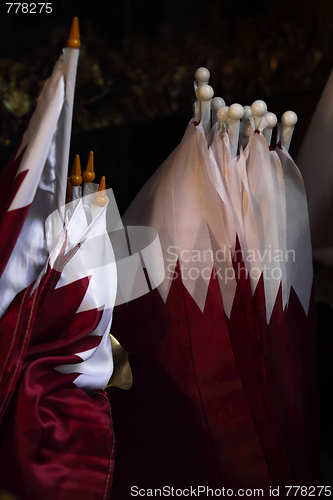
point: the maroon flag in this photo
(214, 352)
(56, 431)
(29, 194)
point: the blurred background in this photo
(134, 91)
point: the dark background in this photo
(134, 89)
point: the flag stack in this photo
(223, 352)
(56, 431)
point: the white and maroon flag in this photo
(56, 312)
(32, 187)
(33, 183)
(217, 351)
(59, 421)
(195, 348)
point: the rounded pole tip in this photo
(76, 177)
(89, 174)
(101, 199)
(217, 103)
(289, 119)
(205, 93)
(236, 112)
(271, 119)
(202, 75)
(259, 108)
(73, 41)
(247, 113)
(222, 114)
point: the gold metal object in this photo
(122, 373)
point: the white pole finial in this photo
(271, 119)
(222, 115)
(259, 109)
(202, 76)
(205, 93)
(289, 120)
(247, 113)
(216, 104)
(235, 114)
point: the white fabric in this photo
(181, 203)
(248, 230)
(219, 176)
(299, 271)
(47, 142)
(206, 111)
(268, 134)
(97, 364)
(46, 162)
(89, 188)
(280, 205)
(203, 196)
(233, 133)
(38, 139)
(263, 202)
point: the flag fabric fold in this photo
(60, 419)
(56, 422)
(315, 163)
(218, 354)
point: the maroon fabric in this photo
(10, 222)
(284, 393)
(225, 375)
(214, 399)
(302, 351)
(10, 229)
(10, 181)
(15, 332)
(56, 440)
(249, 351)
(164, 436)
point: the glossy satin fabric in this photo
(217, 401)
(56, 441)
(224, 390)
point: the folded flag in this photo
(56, 312)
(217, 351)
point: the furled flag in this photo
(222, 372)
(315, 161)
(56, 430)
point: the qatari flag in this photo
(216, 352)
(33, 183)
(57, 305)
(56, 432)
(32, 187)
